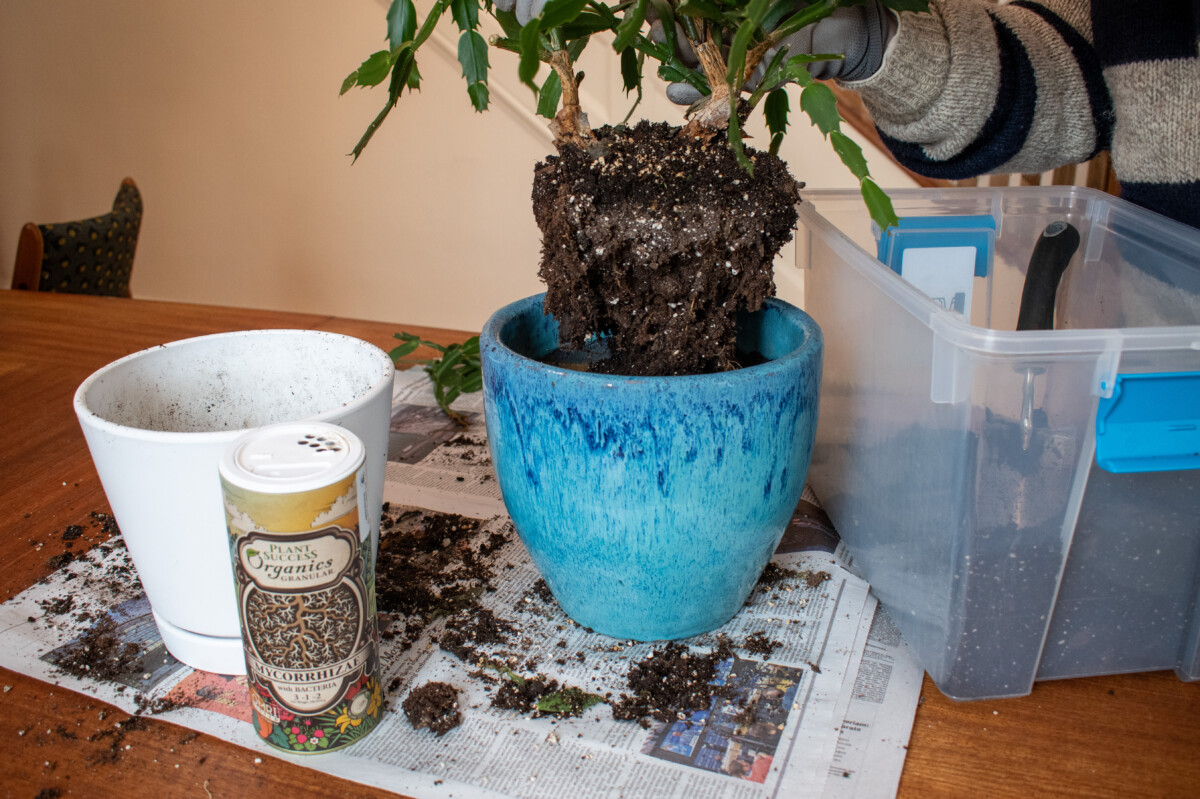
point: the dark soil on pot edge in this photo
(658, 241)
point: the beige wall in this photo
(227, 114)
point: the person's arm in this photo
(974, 87)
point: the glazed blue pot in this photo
(650, 505)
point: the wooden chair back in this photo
(89, 256)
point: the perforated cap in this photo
(292, 457)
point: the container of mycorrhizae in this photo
(303, 569)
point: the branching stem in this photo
(569, 123)
(711, 113)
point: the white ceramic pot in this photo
(156, 423)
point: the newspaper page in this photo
(811, 692)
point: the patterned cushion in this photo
(93, 256)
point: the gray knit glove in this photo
(524, 9)
(862, 32)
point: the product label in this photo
(303, 614)
(307, 606)
(282, 563)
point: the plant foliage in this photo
(734, 37)
(455, 371)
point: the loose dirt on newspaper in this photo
(436, 567)
(672, 681)
(99, 653)
(430, 566)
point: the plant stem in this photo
(711, 113)
(570, 124)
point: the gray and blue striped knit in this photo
(973, 88)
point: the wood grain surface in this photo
(1120, 736)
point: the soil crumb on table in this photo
(433, 706)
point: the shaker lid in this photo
(292, 457)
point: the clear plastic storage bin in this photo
(958, 457)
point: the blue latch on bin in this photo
(1151, 423)
(941, 255)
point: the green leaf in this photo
(402, 22)
(452, 356)
(603, 10)
(403, 350)
(583, 25)
(456, 372)
(778, 11)
(818, 101)
(772, 77)
(576, 48)
(736, 60)
(631, 25)
(850, 153)
(672, 74)
(406, 66)
(430, 23)
(703, 9)
(549, 96)
(473, 56)
(373, 71)
(739, 148)
(879, 204)
(508, 23)
(631, 70)
(504, 671)
(666, 16)
(776, 112)
(632, 63)
(807, 16)
(480, 96)
(795, 71)
(693, 77)
(559, 12)
(567, 702)
(530, 41)
(472, 383)
(466, 14)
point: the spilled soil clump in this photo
(671, 681)
(429, 566)
(433, 705)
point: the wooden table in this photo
(1130, 735)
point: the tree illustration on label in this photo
(302, 609)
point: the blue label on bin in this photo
(1151, 423)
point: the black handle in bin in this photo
(1051, 255)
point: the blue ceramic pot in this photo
(650, 505)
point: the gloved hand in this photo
(524, 9)
(861, 32)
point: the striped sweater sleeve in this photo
(972, 88)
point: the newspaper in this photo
(827, 712)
